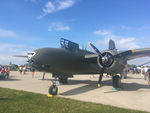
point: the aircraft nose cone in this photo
(30, 55)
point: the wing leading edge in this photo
(139, 53)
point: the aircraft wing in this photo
(129, 54)
(139, 53)
(91, 56)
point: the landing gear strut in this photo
(100, 80)
(53, 89)
(43, 75)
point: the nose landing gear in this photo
(53, 89)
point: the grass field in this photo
(13, 101)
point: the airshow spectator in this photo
(20, 70)
(148, 73)
(8, 71)
(24, 70)
(145, 72)
(33, 71)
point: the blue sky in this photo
(29, 24)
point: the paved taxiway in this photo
(134, 95)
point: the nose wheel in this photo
(53, 89)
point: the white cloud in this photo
(65, 4)
(58, 26)
(127, 43)
(102, 32)
(56, 5)
(7, 33)
(122, 43)
(49, 8)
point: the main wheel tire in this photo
(116, 81)
(53, 90)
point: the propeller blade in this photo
(111, 45)
(23, 56)
(95, 49)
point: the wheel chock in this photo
(58, 84)
(116, 89)
(49, 95)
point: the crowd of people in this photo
(4, 72)
(145, 70)
(23, 69)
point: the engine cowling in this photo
(106, 60)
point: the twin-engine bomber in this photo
(70, 60)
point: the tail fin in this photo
(111, 45)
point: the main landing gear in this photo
(116, 81)
(100, 80)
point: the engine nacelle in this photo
(107, 60)
(111, 64)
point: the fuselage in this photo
(62, 61)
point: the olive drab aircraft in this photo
(70, 60)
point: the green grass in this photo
(13, 101)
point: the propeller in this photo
(101, 60)
(105, 59)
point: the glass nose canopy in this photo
(30, 55)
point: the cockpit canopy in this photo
(69, 45)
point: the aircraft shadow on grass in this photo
(3, 98)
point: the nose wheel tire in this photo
(53, 90)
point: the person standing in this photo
(145, 72)
(8, 71)
(148, 73)
(32, 70)
(20, 70)
(24, 70)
